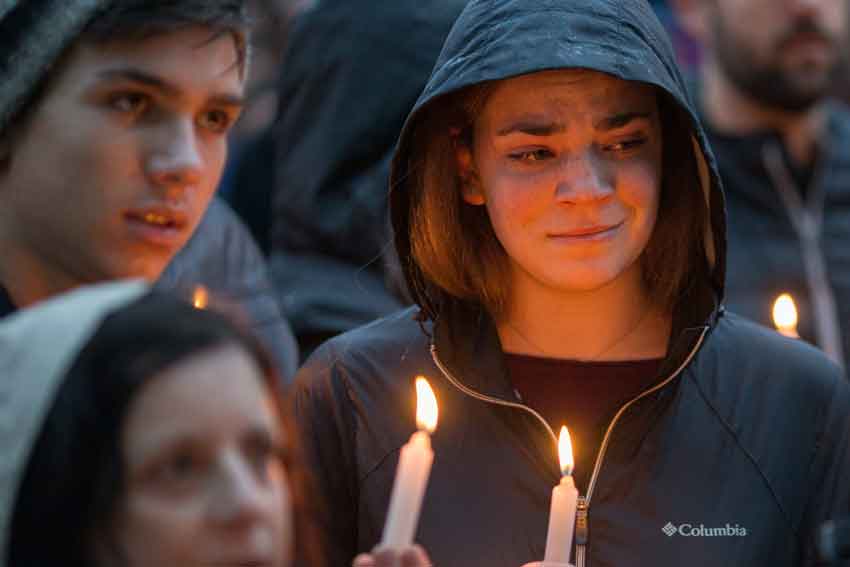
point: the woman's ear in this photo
(470, 184)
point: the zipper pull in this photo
(581, 521)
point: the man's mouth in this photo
(160, 218)
(162, 226)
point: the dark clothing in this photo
(352, 71)
(223, 257)
(739, 450)
(585, 395)
(6, 305)
(753, 433)
(787, 237)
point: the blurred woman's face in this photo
(205, 481)
(568, 164)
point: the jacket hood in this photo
(37, 347)
(499, 39)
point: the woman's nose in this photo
(582, 179)
(241, 495)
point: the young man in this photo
(113, 134)
(784, 155)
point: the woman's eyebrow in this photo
(533, 126)
(620, 120)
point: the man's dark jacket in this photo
(352, 72)
(768, 254)
(734, 457)
(223, 257)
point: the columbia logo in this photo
(669, 529)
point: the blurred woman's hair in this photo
(457, 252)
(75, 476)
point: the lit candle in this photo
(562, 513)
(411, 478)
(201, 297)
(785, 316)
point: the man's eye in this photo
(531, 155)
(216, 121)
(134, 103)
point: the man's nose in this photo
(241, 495)
(176, 161)
(582, 179)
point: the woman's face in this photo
(205, 480)
(568, 164)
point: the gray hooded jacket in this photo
(37, 347)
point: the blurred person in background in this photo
(783, 149)
(113, 134)
(111, 458)
(351, 73)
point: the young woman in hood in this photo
(561, 227)
(139, 431)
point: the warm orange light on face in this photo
(565, 451)
(201, 297)
(426, 406)
(785, 315)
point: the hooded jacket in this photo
(222, 254)
(351, 74)
(37, 347)
(733, 457)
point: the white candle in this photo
(411, 479)
(562, 513)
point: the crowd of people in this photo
(526, 201)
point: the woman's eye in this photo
(217, 121)
(133, 103)
(180, 467)
(626, 145)
(531, 155)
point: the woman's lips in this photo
(589, 233)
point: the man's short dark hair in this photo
(137, 20)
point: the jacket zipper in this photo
(807, 221)
(582, 528)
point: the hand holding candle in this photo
(562, 514)
(414, 467)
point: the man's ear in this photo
(695, 16)
(470, 184)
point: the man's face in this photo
(117, 164)
(782, 53)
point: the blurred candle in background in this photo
(200, 297)
(785, 316)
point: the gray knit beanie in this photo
(33, 34)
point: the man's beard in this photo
(767, 82)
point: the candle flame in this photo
(785, 315)
(201, 297)
(565, 451)
(426, 406)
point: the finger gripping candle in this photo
(411, 479)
